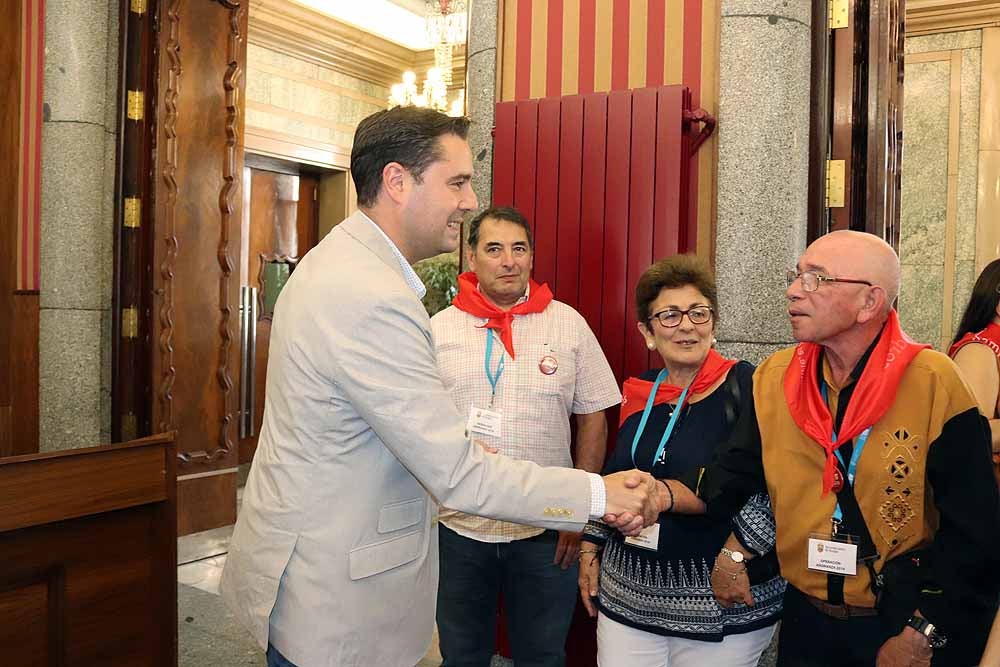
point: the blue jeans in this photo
(539, 598)
(275, 659)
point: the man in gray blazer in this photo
(333, 561)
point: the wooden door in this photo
(280, 224)
(197, 169)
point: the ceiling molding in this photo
(304, 33)
(925, 17)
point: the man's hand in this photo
(567, 550)
(907, 649)
(730, 583)
(590, 572)
(632, 501)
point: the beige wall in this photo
(305, 100)
(941, 154)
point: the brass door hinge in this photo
(133, 212)
(130, 322)
(839, 11)
(136, 104)
(138, 7)
(835, 183)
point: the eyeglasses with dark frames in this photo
(671, 318)
(811, 280)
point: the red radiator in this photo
(604, 179)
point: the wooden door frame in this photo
(856, 102)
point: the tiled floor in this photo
(208, 635)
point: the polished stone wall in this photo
(306, 100)
(480, 94)
(77, 213)
(939, 68)
(763, 169)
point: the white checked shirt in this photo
(535, 407)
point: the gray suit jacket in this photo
(334, 555)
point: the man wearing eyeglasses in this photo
(877, 462)
(519, 364)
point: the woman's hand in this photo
(590, 573)
(730, 583)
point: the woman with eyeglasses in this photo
(976, 351)
(690, 590)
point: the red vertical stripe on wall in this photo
(553, 49)
(526, 159)
(24, 224)
(616, 215)
(503, 154)
(692, 79)
(547, 196)
(588, 21)
(595, 137)
(656, 16)
(642, 166)
(568, 267)
(36, 164)
(619, 45)
(692, 49)
(522, 60)
(669, 166)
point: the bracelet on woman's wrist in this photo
(670, 492)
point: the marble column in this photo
(480, 93)
(78, 159)
(763, 169)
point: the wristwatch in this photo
(735, 556)
(927, 629)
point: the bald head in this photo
(861, 256)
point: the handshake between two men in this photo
(635, 499)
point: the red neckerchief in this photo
(635, 392)
(990, 337)
(474, 302)
(874, 393)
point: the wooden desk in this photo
(88, 556)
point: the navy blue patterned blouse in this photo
(669, 591)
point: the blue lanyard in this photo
(852, 467)
(645, 416)
(492, 376)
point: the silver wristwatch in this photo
(927, 629)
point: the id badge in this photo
(833, 556)
(649, 538)
(484, 422)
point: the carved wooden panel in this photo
(198, 169)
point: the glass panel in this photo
(275, 276)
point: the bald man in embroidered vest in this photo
(877, 462)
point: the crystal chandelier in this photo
(446, 27)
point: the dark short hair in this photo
(504, 213)
(407, 135)
(671, 273)
(982, 307)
